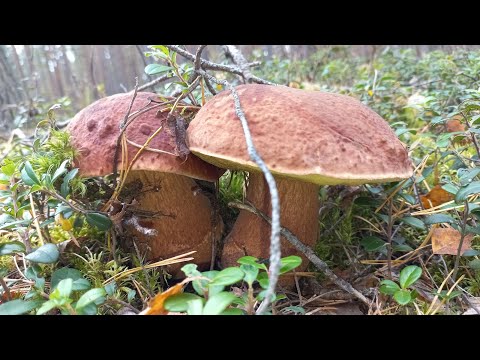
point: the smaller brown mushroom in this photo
(180, 216)
(307, 139)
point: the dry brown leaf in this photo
(446, 241)
(155, 306)
(454, 124)
(435, 197)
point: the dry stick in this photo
(308, 252)
(219, 67)
(275, 251)
(462, 238)
(5, 287)
(154, 82)
(239, 60)
(122, 126)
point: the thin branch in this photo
(210, 87)
(463, 226)
(122, 126)
(308, 252)
(240, 61)
(154, 82)
(218, 67)
(5, 287)
(275, 251)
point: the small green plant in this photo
(210, 297)
(400, 292)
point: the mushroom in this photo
(307, 139)
(183, 215)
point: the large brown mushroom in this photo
(181, 216)
(307, 139)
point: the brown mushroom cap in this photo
(313, 136)
(95, 129)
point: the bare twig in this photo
(308, 252)
(118, 301)
(275, 251)
(239, 60)
(154, 82)
(463, 226)
(5, 287)
(119, 139)
(219, 67)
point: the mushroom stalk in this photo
(250, 235)
(176, 218)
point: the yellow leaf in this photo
(219, 87)
(447, 240)
(436, 196)
(155, 306)
(370, 92)
(66, 224)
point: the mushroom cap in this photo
(95, 129)
(317, 137)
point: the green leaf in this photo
(452, 189)
(372, 243)
(402, 297)
(464, 192)
(153, 69)
(9, 168)
(98, 220)
(438, 218)
(11, 247)
(110, 288)
(402, 248)
(251, 273)
(263, 280)
(409, 275)
(91, 296)
(413, 221)
(90, 309)
(232, 311)
(228, 276)
(64, 188)
(250, 260)
(467, 175)
(218, 303)
(79, 282)
(60, 171)
(389, 287)
(289, 263)
(190, 270)
(471, 252)
(179, 302)
(474, 264)
(46, 307)
(33, 273)
(131, 294)
(28, 175)
(18, 307)
(200, 285)
(46, 254)
(64, 289)
(195, 307)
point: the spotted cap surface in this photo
(317, 137)
(95, 129)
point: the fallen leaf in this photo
(155, 306)
(446, 240)
(435, 197)
(454, 124)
